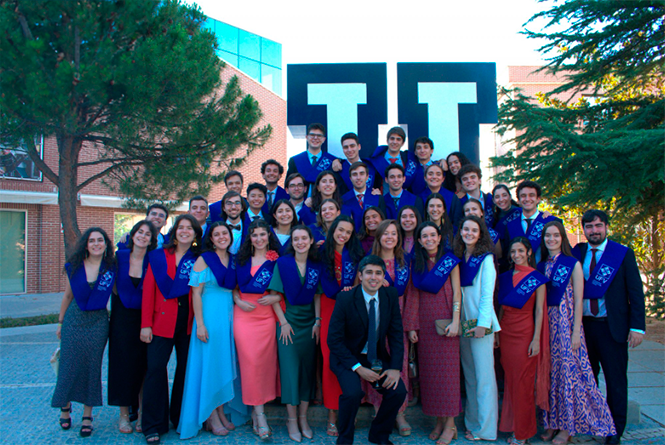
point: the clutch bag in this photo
(467, 325)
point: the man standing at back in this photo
(384, 155)
(613, 310)
(313, 160)
(351, 147)
(364, 320)
(272, 171)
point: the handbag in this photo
(413, 366)
(467, 325)
(55, 360)
(442, 324)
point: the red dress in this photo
(438, 356)
(331, 388)
(518, 413)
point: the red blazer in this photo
(157, 312)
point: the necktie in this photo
(528, 226)
(254, 218)
(393, 160)
(314, 159)
(271, 198)
(371, 336)
(396, 201)
(360, 199)
(593, 303)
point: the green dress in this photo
(297, 360)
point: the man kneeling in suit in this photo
(364, 318)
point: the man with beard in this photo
(272, 171)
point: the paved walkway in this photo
(27, 383)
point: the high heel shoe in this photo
(443, 441)
(404, 428)
(123, 425)
(306, 432)
(264, 432)
(86, 430)
(66, 424)
(296, 437)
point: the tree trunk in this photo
(67, 190)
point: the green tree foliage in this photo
(131, 91)
(606, 149)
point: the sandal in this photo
(263, 432)
(513, 440)
(331, 430)
(404, 429)
(153, 439)
(441, 440)
(221, 431)
(139, 427)
(123, 425)
(66, 424)
(86, 430)
(436, 432)
(470, 435)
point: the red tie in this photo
(360, 199)
(393, 160)
(593, 303)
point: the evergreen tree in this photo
(605, 150)
(131, 91)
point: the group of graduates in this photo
(397, 268)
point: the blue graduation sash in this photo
(258, 283)
(413, 171)
(169, 287)
(494, 235)
(559, 278)
(407, 199)
(513, 213)
(297, 292)
(448, 197)
(319, 234)
(130, 295)
(433, 280)
(226, 276)
(401, 275)
(283, 247)
(306, 216)
(309, 171)
(535, 234)
(371, 174)
(469, 269)
(517, 296)
(488, 207)
(349, 272)
(352, 207)
(95, 298)
(606, 269)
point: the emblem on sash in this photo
(263, 278)
(410, 168)
(561, 274)
(106, 280)
(324, 164)
(444, 267)
(474, 260)
(185, 269)
(312, 277)
(348, 271)
(402, 274)
(529, 286)
(604, 274)
(512, 216)
(537, 228)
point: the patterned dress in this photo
(576, 403)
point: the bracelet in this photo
(456, 306)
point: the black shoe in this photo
(613, 440)
(387, 442)
(66, 424)
(86, 430)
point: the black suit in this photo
(347, 337)
(607, 338)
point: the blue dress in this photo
(212, 378)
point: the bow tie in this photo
(235, 227)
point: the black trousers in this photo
(613, 357)
(156, 410)
(349, 402)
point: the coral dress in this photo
(576, 403)
(438, 356)
(256, 344)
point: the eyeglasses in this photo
(232, 203)
(316, 135)
(296, 186)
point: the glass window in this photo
(271, 78)
(15, 162)
(12, 252)
(227, 37)
(228, 57)
(271, 53)
(249, 45)
(250, 67)
(210, 24)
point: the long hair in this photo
(137, 226)
(316, 194)
(208, 245)
(523, 240)
(483, 245)
(364, 233)
(198, 232)
(352, 245)
(398, 251)
(312, 253)
(273, 210)
(449, 179)
(420, 254)
(319, 218)
(446, 224)
(81, 250)
(565, 243)
(246, 250)
(497, 211)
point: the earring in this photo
(194, 244)
(175, 241)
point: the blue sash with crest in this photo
(296, 291)
(309, 171)
(469, 269)
(349, 271)
(130, 295)
(401, 275)
(433, 280)
(517, 296)
(606, 269)
(169, 287)
(90, 299)
(306, 216)
(535, 234)
(258, 283)
(226, 276)
(559, 278)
